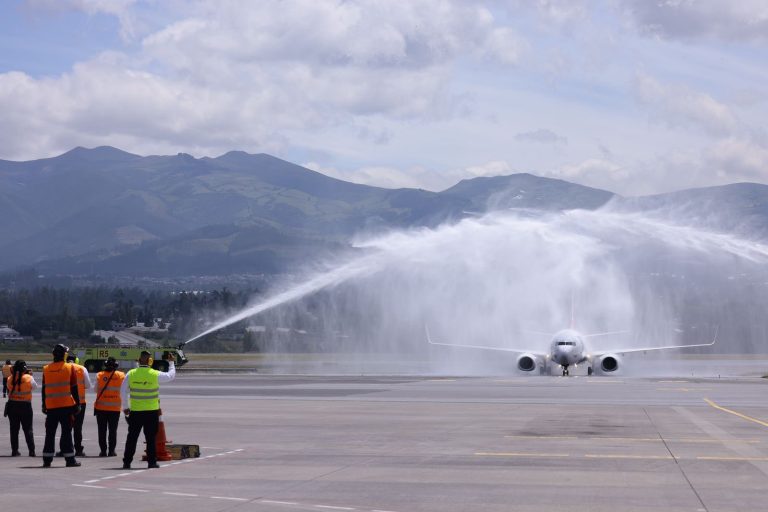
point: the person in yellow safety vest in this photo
(107, 406)
(7, 370)
(61, 403)
(20, 386)
(83, 383)
(140, 392)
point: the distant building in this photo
(9, 335)
(123, 338)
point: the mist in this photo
(509, 279)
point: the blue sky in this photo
(636, 96)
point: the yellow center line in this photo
(636, 439)
(743, 416)
(609, 456)
(520, 454)
(738, 459)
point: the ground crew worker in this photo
(140, 391)
(107, 406)
(7, 371)
(20, 386)
(61, 401)
(83, 383)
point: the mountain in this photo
(105, 211)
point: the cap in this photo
(60, 350)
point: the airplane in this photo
(568, 348)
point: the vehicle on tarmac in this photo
(93, 357)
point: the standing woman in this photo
(20, 386)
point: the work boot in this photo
(15, 454)
(111, 454)
(80, 453)
(32, 453)
(47, 462)
(102, 454)
(152, 465)
(126, 465)
(72, 463)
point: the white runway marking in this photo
(89, 486)
(279, 502)
(330, 507)
(130, 489)
(227, 498)
(189, 495)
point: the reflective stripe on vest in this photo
(144, 387)
(80, 371)
(23, 390)
(56, 379)
(109, 396)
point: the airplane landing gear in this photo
(590, 371)
(565, 371)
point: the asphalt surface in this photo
(399, 444)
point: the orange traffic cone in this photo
(160, 441)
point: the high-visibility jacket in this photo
(7, 370)
(58, 378)
(80, 372)
(108, 391)
(22, 392)
(144, 389)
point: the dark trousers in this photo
(107, 420)
(138, 420)
(5, 386)
(55, 417)
(20, 415)
(77, 431)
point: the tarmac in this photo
(427, 443)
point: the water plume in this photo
(499, 279)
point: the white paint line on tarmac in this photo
(187, 494)
(330, 507)
(130, 489)
(89, 486)
(227, 498)
(274, 502)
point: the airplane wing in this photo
(484, 347)
(649, 349)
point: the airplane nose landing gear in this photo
(565, 371)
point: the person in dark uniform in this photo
(140, 395)
(61, 403)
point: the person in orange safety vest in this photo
(107, 406)
(20, 386)
(61, 403)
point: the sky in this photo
(632, 96)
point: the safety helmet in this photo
(60, 350)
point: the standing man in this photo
(7, 370)
(60, 404)
(140, 392)
(107, 405)
(83, 383)
(20, 386)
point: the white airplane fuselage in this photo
(567, 348)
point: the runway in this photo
(400, 444)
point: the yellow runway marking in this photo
(637, 439)
(738, 459)
(639, 457)
(542, 437)
(743, 416)
(514, 454)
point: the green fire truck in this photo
(93, 357)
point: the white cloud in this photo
(543, 136)
(680, 105)
(741, 20)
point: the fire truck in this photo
(93, 357)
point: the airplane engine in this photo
(527, 363)
(609, 363)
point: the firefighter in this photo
(140, 395)
(107, 406)
(20, 386)
(7, 370)
(83, 383)
(61, 401)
